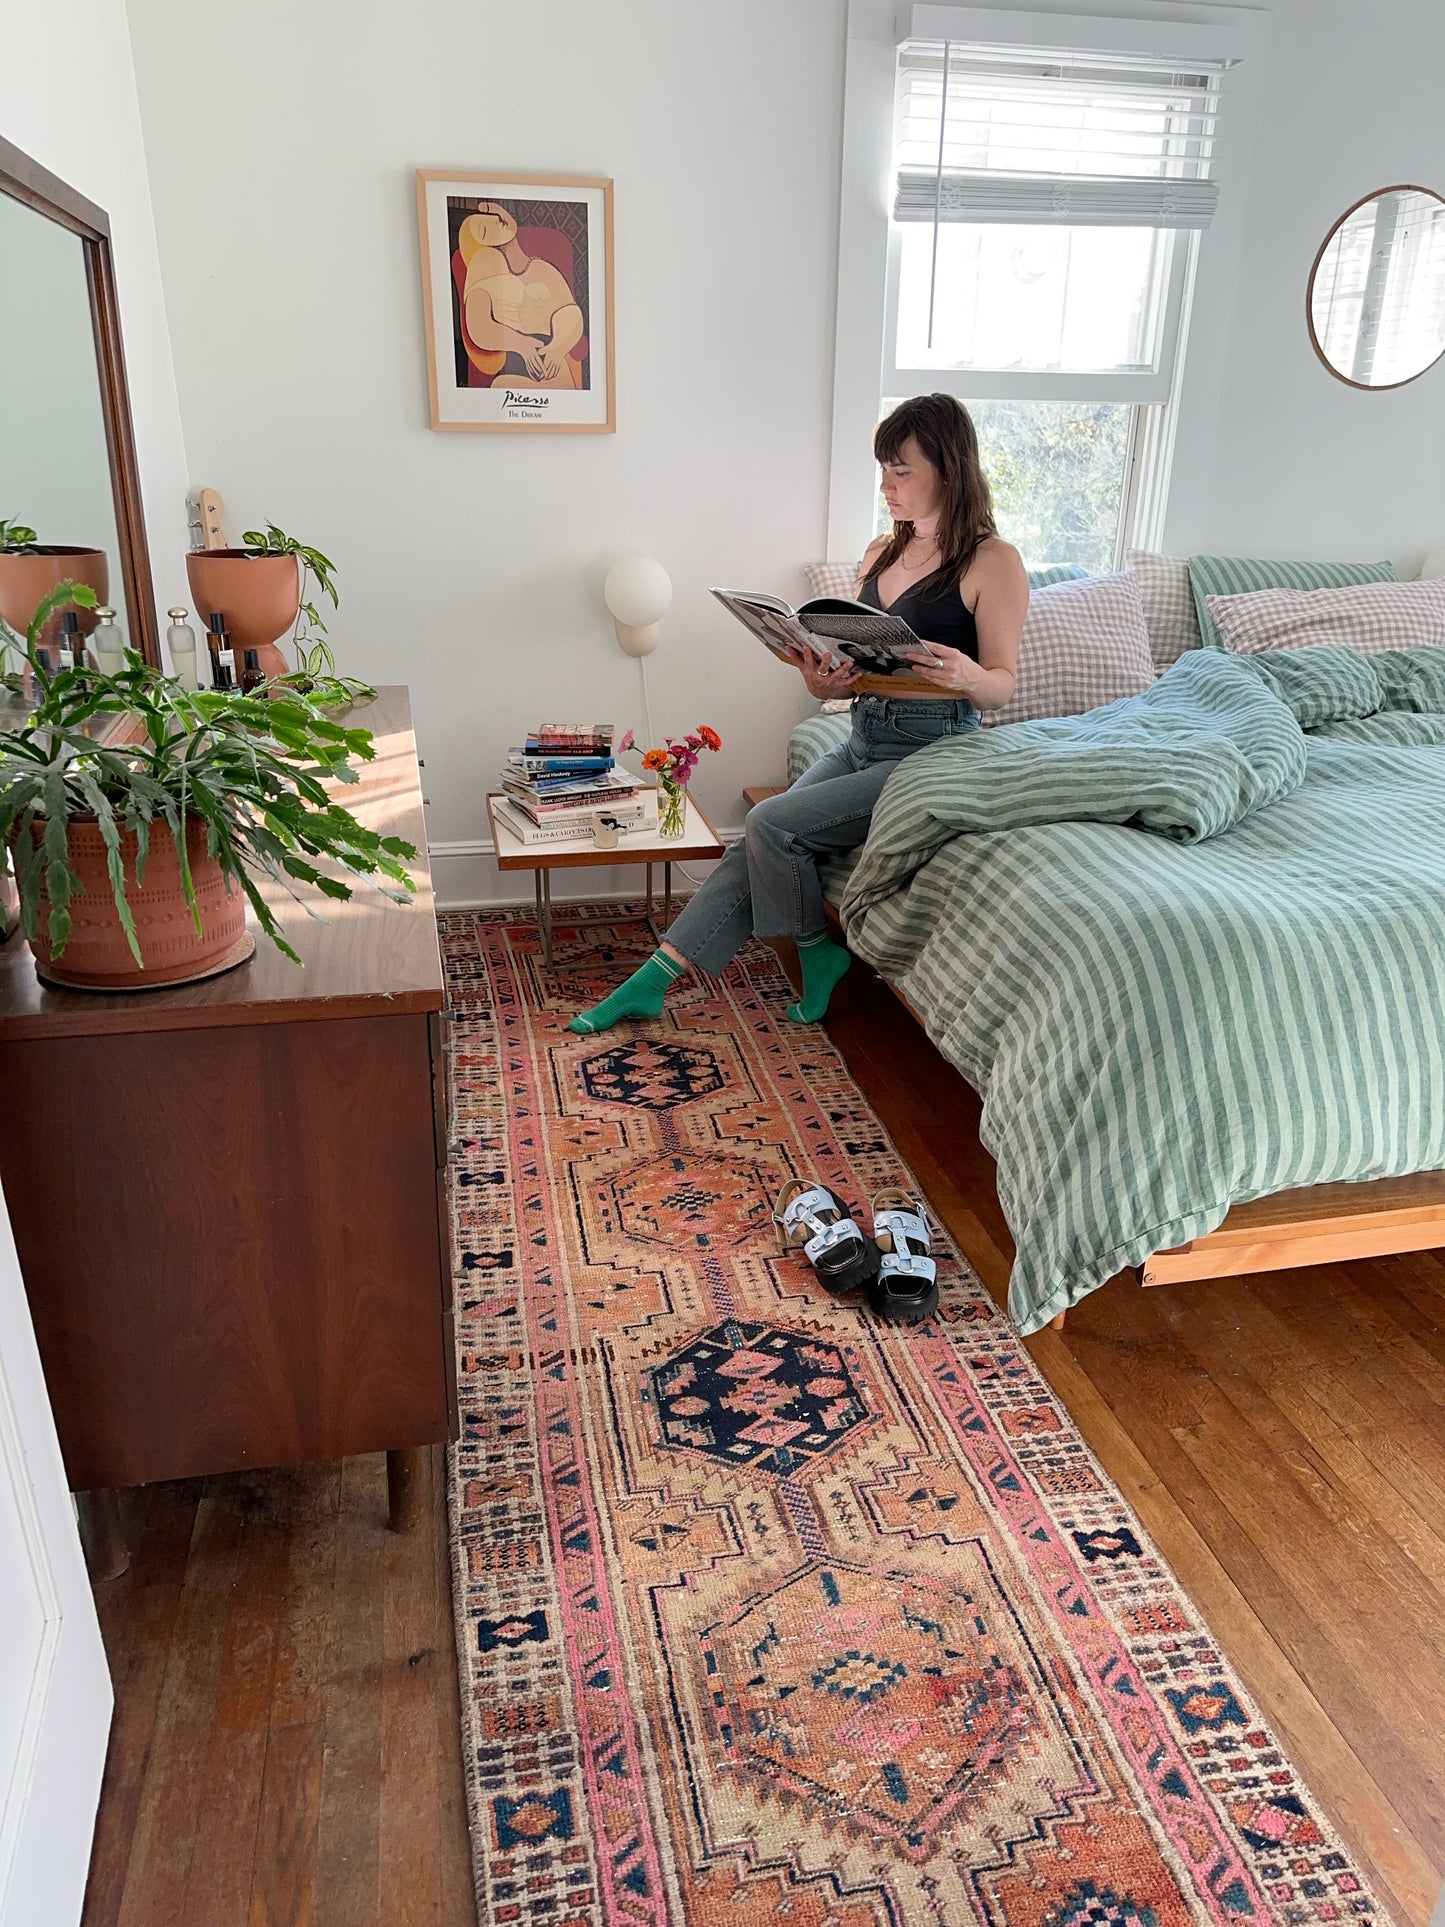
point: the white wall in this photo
(470, 566)
(1296, 462)
(68, 99)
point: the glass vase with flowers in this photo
(673, 767)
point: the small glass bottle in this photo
(181, 639)
(252, 675)
(223, 654)
(72, 644)
(108, 644)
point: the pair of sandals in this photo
(894, 1264)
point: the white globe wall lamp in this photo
(638, 592)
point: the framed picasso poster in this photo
(517, 285)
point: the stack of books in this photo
(562, 778)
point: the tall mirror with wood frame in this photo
(70, 502)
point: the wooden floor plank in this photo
(284, 1868)
(348, 1862)
(412, 1678)
(458, 1893)
(137, 1618)
(165, 1829)
(219, 1888)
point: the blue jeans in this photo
(767, 884)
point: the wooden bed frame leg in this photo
(406, 1481)
(1057, 1324)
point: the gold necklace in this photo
(903, 563)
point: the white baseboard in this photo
(466, 877)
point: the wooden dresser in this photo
(229, 1198)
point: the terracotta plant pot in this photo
(259, 595)
(98, 957)
(26, 580)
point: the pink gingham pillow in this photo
(1084, 644)
(1371, 617)
(832, 578)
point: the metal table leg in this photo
(544, 912)
(659, 931)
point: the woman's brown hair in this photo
(948, 441)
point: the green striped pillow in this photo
(1052, 572)
(1238, 575)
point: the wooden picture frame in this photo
(27, 181)
(517, 290)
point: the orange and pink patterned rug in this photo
(766, 1610)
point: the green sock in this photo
(640, 996)
(823, 963)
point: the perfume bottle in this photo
(107, 643)
(181, 639)
(252, 674)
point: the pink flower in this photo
(629, 741)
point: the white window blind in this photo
(1074, 138)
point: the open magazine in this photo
(828, 628)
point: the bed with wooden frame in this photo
(1315, 1225)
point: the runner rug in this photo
(766, 1610)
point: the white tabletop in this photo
(644, 845)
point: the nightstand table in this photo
(698, 839)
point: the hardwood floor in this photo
(1281, 1436)
(286, 1746)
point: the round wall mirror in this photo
(1376, 297)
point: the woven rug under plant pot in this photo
(97, 956)
(26, 578)
(767, 1610)
(259, 596)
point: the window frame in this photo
(868, 261)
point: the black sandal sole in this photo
(904, 1308)
(862, 1270)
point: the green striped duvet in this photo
(1189, 953)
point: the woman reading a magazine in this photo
(964, 593)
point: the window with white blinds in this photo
(1045, 203)
(1041, 198)
(1024, 135)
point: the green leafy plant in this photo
(313, 651)
(252, 769)
(16, 538)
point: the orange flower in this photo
(655, 759)
(709, 736)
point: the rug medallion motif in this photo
(768, 1611)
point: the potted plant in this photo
(30, 570)
(140, 814)
(261, 590)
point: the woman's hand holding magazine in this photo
(826, 631)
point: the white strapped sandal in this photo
(907, 1283)
(811, 1216)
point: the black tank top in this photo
(936, 618)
